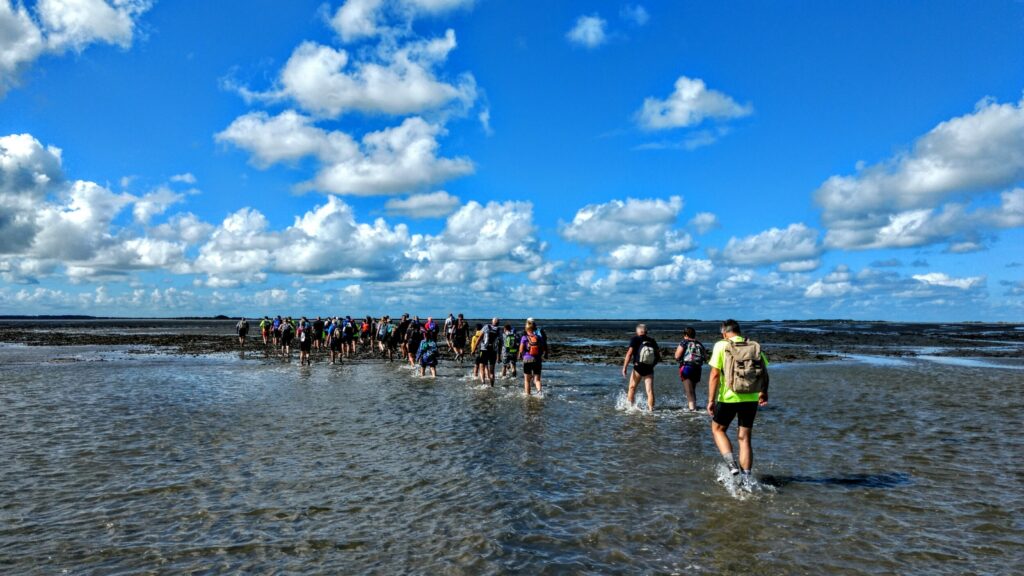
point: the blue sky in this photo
(555, 159)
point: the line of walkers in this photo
(413, 341)
(737, 385)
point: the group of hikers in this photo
(413, 341)
(737, 385)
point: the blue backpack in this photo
(428, 353)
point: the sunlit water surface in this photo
(124, 463)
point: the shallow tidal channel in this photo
(122, 463)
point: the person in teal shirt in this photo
(725, 404)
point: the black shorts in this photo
(489, 357)
(643, 370)
(335, 345)
(532, 368)
(745, 411)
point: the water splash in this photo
(639, 407)
(538, 395)
(739, 486)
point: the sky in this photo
(523, 158)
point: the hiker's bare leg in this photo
(718, 432)
(649, 388)
(634, 379)
(691, 398)
(746, 451)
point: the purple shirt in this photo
(525, 342)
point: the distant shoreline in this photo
(585, 341)
(546, 319)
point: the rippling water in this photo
(125, 463)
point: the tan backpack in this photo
(745, 371)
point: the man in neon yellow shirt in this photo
(724, 404)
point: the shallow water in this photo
(127, 463)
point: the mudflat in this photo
(574, 341)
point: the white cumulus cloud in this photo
(402, 158)
(634, 14)
(76, 230)
(903, 201)
(58, 26)
(393, 160)
(155, 203)
(589, 31)
(326, 241)
(941, 279)
(47, 223)
(21, 43)
(795, 244)
(75, 24)
(432, 205)
(691, 103)
(27, 167)
(396, 80)
(704, 222)
(287, 137)
(622, 222)
(634, 233)
(808, 265)
(359, 19)
(183, 226)
(478, 241)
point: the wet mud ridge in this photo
(580, 342)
